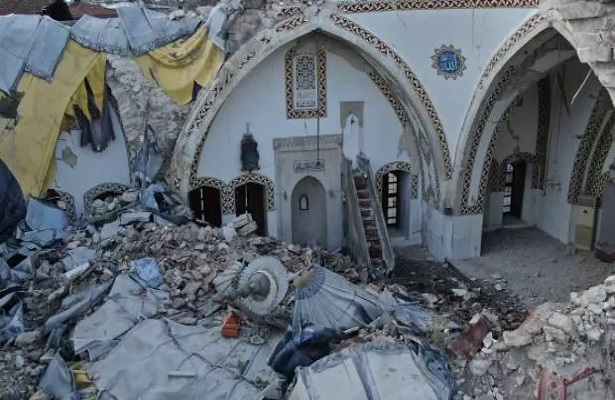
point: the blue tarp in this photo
(35, 43)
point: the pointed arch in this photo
(251, 177)
(587, 176)
(93, 193)
(397, 166)
(515, 158)
(494, 99)
(409, 90)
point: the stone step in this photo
(365, 204)
(360, 182)
(375, 252)
(372, 236)
(363, 194)
(369, 225)
(366, 212)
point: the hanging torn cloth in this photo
(177, 66)
(90, 107)
(28, 149)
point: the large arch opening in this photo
(526, 167)
(388, 70)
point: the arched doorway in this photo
(514, 187)
(309, 213)
(394, 185)
(395, 200)
(251, 197)
(206, 204)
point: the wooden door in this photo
(206, 205)
(518, 187)
(251, 198)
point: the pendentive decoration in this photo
(249, 152)
(449, 62)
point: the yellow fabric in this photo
(29, 149)
(176, 66)
(96, 79)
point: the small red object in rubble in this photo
(230, 327)
(471, 340)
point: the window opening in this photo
(304, 203)
(392, 199)
(508, 184)
(306, 77)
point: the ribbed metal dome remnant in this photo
(327, 300)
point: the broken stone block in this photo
(552, 333)
(78, 257)
(594, 334)
(130, 196)
(609, 284)
(248, 229)
(27, 338)
(110, 230)
(480, 366)
(564, 323)
(538, 317)
(517, 338)
(242, 220)
(130, 218)
(596, 294)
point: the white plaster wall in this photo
(260, 101)
(415, 34)
(451, 237)
(519, 134)
(92, 168)
(555, 217)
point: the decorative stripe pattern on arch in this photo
(398, 5)
(515, 38)
(539, 171)
(69, 201)
(354, 28)
(592, 130)
(594, 184)
(533, 26)
(216, 184)
(495, 183)
(477, 207)
(398, 166)
(251, 177)
(91, 194)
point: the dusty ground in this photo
(416, 270)
(534, 266)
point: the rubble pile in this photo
(46, 290)
(153, 279)
(112, 202)
(561, 351)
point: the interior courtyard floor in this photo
(533, 266)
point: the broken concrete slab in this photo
(376, 371)
(77, 257)
(127, 302)
(130, 218)
(161, 359)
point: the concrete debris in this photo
(154, 280)
(556, 346)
